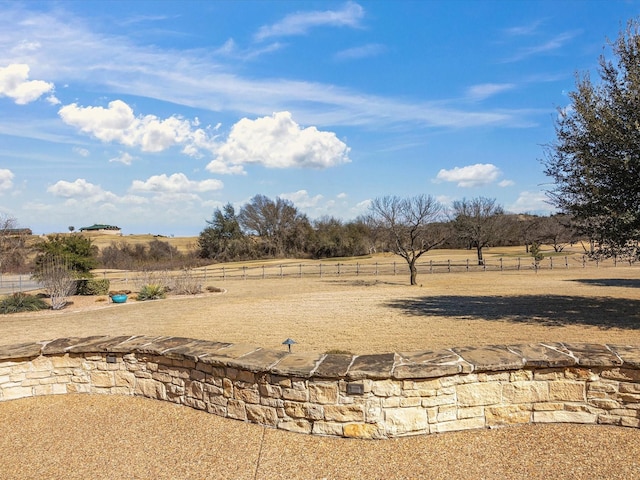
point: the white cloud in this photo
(301, 199)
(81, 189)
(486, 90)
(219, 167)
(471, 175)
(83, 152)
(176, 183)
(506, 183)
(279, 142)
(14, 84)
(531, 202)
(117, 123)
(124, 158)
(6, 179)
(361, 208)
(364, 51)
(300, 23)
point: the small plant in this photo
(338, 351)
(22, 302)
(536, 254)
(152, 291)
(186, 283)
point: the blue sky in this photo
(149, 115)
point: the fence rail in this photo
(330, 269)
(17, 283)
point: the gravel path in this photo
(101, 437)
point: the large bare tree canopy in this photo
(595, 160)
(479, 222)
(411, 226)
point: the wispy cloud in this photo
(364, 51)
(524, 30)
(551, 45)
(300, 23)
(486, 90)
(59, 45)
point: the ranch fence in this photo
(326, 269)
(17, 283)
(334, 269)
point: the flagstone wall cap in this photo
(405, 365)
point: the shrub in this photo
(22, 302)
(186, 283)
(92, 286)
(338, 351)
(151, 291)
(57, 277)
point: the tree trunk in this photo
(414, 272)
(480, 259)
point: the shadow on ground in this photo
(548, 310)
(611, 282)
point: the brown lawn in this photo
(371, 314)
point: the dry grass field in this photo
(371, 313)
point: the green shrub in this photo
(92, 286)
(151, 291)
(22, 302)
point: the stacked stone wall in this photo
(370, 396)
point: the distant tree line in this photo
(267, 228)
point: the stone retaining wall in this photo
(362, 396)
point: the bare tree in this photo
(479, 222)
(12, 243)
(57, 277)
(557, 231)
(410, 226)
